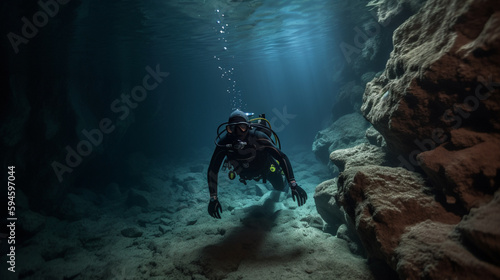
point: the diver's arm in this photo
(213, 170)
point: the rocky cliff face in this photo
(438, 98)
(437, 106)
(365, 44)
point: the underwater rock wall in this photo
(436, 103)
(437, 106)
(366, 42)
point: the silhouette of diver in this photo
(250, 153)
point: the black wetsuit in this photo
(253, 161)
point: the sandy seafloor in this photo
(162, 231)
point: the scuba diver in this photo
(248, 151)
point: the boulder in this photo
(347, 131)
(481, 229)
(466, 169)
(335, 217)
(430, 250)
(360, 155)
(400, 222)
(382, 202)
(348, 233)
(374, 137)
(326, 205)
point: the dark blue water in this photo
(279, 55)
(272, 57)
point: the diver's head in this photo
(238, 116)
(238, 124)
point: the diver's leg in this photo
(276, 179)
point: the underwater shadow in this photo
(243, 242)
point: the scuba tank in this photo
(263, 121)
(262, 124)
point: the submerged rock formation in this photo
(347, 131)
(399, 222)
(384, 201)
(365, 48)
(439, 95)
(363, 154)
(437, 107)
